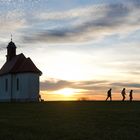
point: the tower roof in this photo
(11, 44)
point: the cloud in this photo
(17, 1)
(2, 47)
(88, 23)
(52, 85)
(88, 87)
(129, 85)
(137, 73)
(73, 13)
(12, 21)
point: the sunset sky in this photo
(83, 47)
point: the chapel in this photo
(19, 78)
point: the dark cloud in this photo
(51, 85)
(88, 87)
(129, 85)
(116, 16)
(135, 3)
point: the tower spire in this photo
(11, 38)
(11, 50)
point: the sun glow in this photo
(66, 92)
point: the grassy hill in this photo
(70, 121)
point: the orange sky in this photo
(77, 96)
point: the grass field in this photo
(70, 121)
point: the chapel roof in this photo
(19, 64)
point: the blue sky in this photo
(85, 45)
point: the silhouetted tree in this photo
(83, 99)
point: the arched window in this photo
(17, 84)
(6, 85)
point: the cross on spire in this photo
(11, 37)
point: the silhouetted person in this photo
(109, 95)
(123, 94)
(131, 95)
(39, 98)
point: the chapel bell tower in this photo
(11, 50)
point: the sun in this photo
(66, 91)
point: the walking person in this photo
(109, 95)
(123, 94)
(131, 95)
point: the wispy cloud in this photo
(12, 20)
(85, 12)
(88, 23)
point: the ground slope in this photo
(70, 121)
